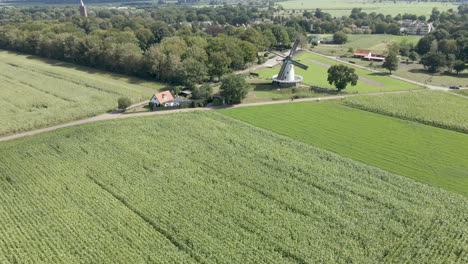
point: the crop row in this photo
(217, 190)
(435, 108)
(35, 94)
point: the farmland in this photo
(436, 108)
(316, 75)
(425, 153)
(37, 93)
(344, 7)
(138, 190)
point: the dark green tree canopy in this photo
(341, 76)
(234, 89)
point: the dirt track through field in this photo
(368, 81)
(117, 115)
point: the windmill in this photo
(287, 76)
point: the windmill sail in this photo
(294, 47)
(300, 65)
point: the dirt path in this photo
(117, 114)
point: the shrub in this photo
(124, 103)
(217, 102)
(340, 38)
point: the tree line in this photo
(143, 42)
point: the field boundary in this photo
(118, 114)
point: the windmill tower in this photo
(287, 76)
(83, 11)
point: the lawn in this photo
(206, 188)
(430, 155)
(343, 7)
(38, 93)
(436, 108)
(377, 43)
(317, 75)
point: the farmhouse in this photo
(163, 99)
(368, 55)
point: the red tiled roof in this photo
(361, 52)
(164, 97)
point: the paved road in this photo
(117, 114)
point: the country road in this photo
(117, 115)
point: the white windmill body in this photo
(287, 76)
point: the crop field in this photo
(377, 43)
(344, 7)
(317, 75)
(435, 108)
(138, 191)
(37, 93)
(428, 154)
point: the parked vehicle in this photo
(454, 87)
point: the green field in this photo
(38, 93)
(344, 7)
(204, 188)
(377, 43)
(425, 153)
(436, 108)
(317, 74)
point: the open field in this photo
(344, 7)
(436, 108)
(425, 153)
(138, 190)
(377, 43)
(317, 74)
(416, 72)
(38, 93)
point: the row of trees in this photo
(137, 43)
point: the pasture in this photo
(377, 43)
(38, 93)
(138, 190)
(435, 108)
(343, 7)
(430, 155)
(317, 75)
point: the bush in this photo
(340, 38)
(203, 92)
(124, 102)
(217, 102)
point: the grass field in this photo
(377, 43)
(139, 191)
(37, 93)
(425, 153)
(317, 74)
(344, 7)
(436, 108)
(416, 72)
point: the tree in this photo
(218, 64)
(433, 61)
(413, 56)
(341, 75)
(124, 102)
(340, 38)
(202, 92)
(192, 72)
(234, 88)
(391, 62)
(459, 66)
